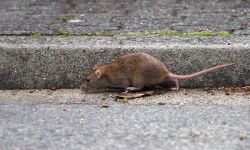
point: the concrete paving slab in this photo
(63, 62)
(70, 119)
(201, 97)
(115, 17)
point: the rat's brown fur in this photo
(137, 70)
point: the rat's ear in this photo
(98, 73)
(96, 66)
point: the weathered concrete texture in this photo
(114, 17)
(28, 62)
(69, 119)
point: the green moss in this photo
(167, 32)
(64, 18)
(106, 33)
(138, 34)
(164, 32)
(85, 35)
(64, 33)
(36, 34)
(207, 34)
(224, 34)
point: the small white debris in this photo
(75, 21)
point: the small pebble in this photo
(104, 106)
(31, 91)
(161, 103)
(242, 137)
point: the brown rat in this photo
(138, 70)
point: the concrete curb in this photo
(41, 62)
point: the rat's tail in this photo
(197, 74)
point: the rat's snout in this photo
(87, 79)
(85, 83)
(93, 82)
(88, 83)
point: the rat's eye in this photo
(88, 79)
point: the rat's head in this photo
(97, 79)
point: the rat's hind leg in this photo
(176, 83)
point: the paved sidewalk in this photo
(114, 17)
(71, 119)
